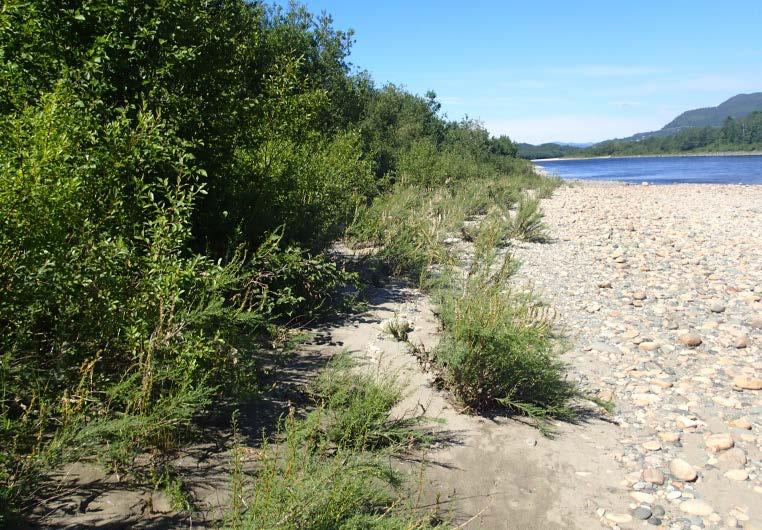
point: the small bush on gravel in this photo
(498, 351)
(527, 223)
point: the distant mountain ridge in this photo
(573, 144)
(736, 107)
(739, 106)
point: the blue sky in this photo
(568, 71)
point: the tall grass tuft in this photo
(332, 469)
(408, 224)
(527, 223)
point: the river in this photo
(661, 169)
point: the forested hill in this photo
(744, 134)
(733, 125)
(736, 107)
(547, 150)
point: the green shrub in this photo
(286, 282)
(332, 469)
(406, 227)
(409, 223)
(354, 410)
(105, 312)
(527, 223)
(147, 155)
(498, 349)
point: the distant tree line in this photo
(743, 134)
(548, 150)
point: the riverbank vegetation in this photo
(498, 350)
(333, 468)
(547, 150)
(170, 176)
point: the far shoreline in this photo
(660, 155)
(594, 182)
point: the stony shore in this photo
(658, 289)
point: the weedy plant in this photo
(171, 483)
(409, 223)
(332, 469)
(354, 410)
(498, 350)
(397, 327)
(527, 223)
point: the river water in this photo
(661, 169)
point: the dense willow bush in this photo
(169, 173)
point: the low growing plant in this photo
(354, 410)
(527, 223)
(499, 351)
(331, 470)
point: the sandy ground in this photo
(490, 472)
(632, 271)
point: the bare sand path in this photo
(495, 473)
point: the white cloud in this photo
(450, 100)
(602, 70)
(573, 127)
(523, 83)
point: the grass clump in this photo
(527, 223)
(498, 350)
(354, 410)
(398, 328)
(409, 223)
(332, 469)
